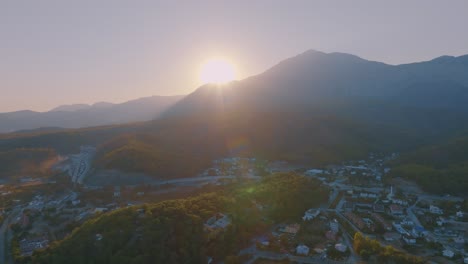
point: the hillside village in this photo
(362, 200)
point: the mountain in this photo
(82, 115)
(316, 78)
(314, 109)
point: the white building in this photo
(310, 214)
(314, 172)
(409, 240)
(435, 210)
(302, 250)
(218, 221)
(448, 253)
(334, 226)
(340, 247)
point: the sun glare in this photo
(217, 71)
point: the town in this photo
(362, 200)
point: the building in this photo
(409, 240)
(291, 229)
(117, 191)
(448, 253)
(100, 210)
(418, 231)
(310, 214)
(391, 236)
(218, 221)
(302, 250)
(379, 208)
(396, 209)
(435, 210)
(334, 226)
(313, 172)
(341, 248)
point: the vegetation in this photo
(438, 168)
(372, 250)
(26, 162)
(173, 231)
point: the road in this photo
(5, 236)
(194, 180)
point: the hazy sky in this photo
(61, 52)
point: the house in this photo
(418, 231)
(340, 247)
(100, 209)
(310, 214)
(409, 240)
(379, 208)
(99, 237)
(448, 253)
(334, 226)
(291, 229)
(369, 222)
(117, 191)
(407, 222)
(396, 209)
(435, 210)
(400, 229)
(440, 221)
(459, 240)
(459, 214)
(218, 221)
(391, 236)
(314, 172)
(302, 250)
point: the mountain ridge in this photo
(83, 115)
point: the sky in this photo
(63, 52)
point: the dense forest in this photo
(173, 231)
(438, 168)
(25, 162)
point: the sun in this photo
(217, 71)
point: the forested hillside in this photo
(25, 162)
(441, 168)
(172, 231)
